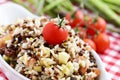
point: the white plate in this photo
(9, 12)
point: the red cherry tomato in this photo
(90, 26)
(82, 33)
(68, 17)
(74, 23)
(91, 31)
(90, 43)
(78, 20)
(79, 14)
(102, 42)
(99, 25)
(54, 34)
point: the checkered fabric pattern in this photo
(110, 58)
(2, 2)
(2, 75)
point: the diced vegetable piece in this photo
(63, 57)
(70, 66)
(76, 66)
(37, 68)
(83, 70)
(46, 51)
(97, 71)
(66, 70)
(31, 62)
(47, 61)
(4, 39)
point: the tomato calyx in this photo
(60, 23)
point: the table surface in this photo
(110, 58)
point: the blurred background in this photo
(108, 9)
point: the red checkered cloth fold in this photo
(2, 75)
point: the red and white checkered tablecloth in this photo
(110, 58)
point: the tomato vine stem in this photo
(60, 23)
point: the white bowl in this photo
(9, 12)
(13, 75)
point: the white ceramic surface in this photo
(9, 12)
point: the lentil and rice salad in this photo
(24, 48)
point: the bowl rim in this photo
(12, 70)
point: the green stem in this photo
(115, 2)
(60, 23)
(102, 7)
(53, 4)
(114, 7)
(40, 7)
(21, 3)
